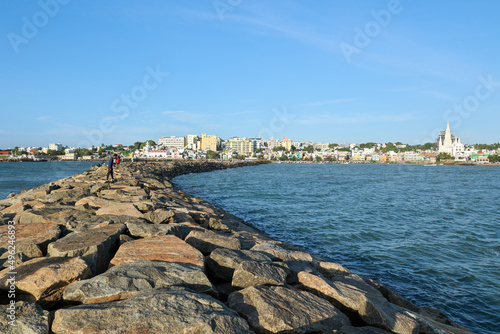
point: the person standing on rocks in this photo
(110, 168)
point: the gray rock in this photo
(146, 230)
(278, 250)
(222, 262)
(251, 273)
(295, 267)
(128, 278)
(30, 318)
(354, 296)
(207, 241)
(95, 246)
(16, 260)
(160, 216)
(98, 187)
(170, 310)
(281, 310)
(70, 196)
(44, 279)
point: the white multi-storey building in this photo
(172, 142)
(55, 147)
(192, 142)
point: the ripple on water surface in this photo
(431, 234)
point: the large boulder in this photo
(361, 301)
(96, 246)
(280, 251)
(281, 310)
(96, 202)
(129, 278)
(44, 279)
(160, 216)
(222, 262)
(40, 234)
(252, 273)
(147, 230)
(207, 241)
(28, 318)
(167, 248)
(169, 310)
(127, 209)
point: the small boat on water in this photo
(429, 165)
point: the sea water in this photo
(16, 176)
(429, 233)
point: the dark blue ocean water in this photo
(430, 233)
(16, 176)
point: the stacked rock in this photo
(139, 256)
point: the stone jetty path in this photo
(139, 256)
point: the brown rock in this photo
(160, 216)
(280, 310)
(125, 238)
(22, 206)
(127, 209)
(96, 202)
(167, 248)
(146, 230)
(251, 273)
(128, 278)
(222, 262)
(30, 318)
(170, 310)
(43, 279)
(362, 301)
(207, 241)
(40, 234)
(96, 246)
(283, 254)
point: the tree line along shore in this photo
(139, 256)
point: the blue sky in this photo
(121, 71)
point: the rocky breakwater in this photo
(139, 256)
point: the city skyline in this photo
(119, 72)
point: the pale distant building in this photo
(192, 142)
(55, 146)
(272, 143)
(240, 145)
(411, 156)
(172, 142)
(447, 143)
(208, 142)
(258, 143)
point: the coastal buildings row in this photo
(208, 146)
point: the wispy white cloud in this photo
(334, 101)
(238, 113)
(42, 118)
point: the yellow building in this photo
(208, 142)
(286, 143)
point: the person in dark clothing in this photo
(110, 167)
